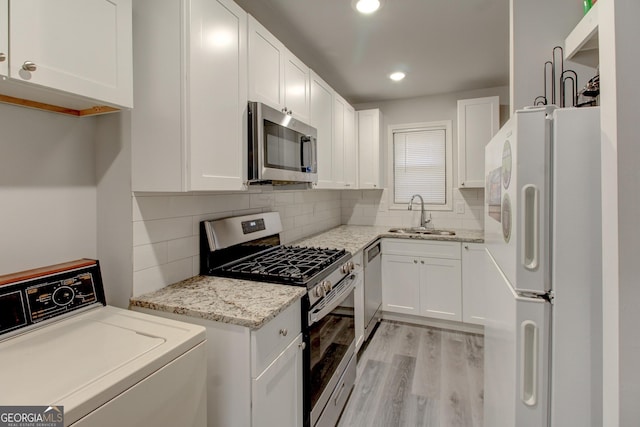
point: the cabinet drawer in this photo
(423, 248)
(270, 340)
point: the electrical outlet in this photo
(459, 207)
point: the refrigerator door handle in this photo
(530, 226)
(529, 362)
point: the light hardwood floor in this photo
(411, 375)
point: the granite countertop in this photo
(239, 302)
(253, 304)
(354, 238)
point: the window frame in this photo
(445, 125)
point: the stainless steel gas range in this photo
(248, 247)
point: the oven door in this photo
(332, 347)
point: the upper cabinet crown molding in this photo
(72, 57)
(276, 76)
(189, 127)
(478, 122)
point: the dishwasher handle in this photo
(371, 252)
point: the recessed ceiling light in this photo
(397, 76)
(367, 6)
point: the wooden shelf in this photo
(581, 45)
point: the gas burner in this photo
(284, 264)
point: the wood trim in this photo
(99, 109)
(45, 271)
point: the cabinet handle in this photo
(462, 184)
(284, 332)
(3, 57)
(302, 345)
(415, 261)
(466, 247)
(290, 112)
(421, 262)
(29, 66)
(284, 110)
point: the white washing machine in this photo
(60, 345)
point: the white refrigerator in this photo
(543, 319)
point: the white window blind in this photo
(420, 166)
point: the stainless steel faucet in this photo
(423, 219)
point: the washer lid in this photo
(84, 361)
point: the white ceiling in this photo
(442, 45)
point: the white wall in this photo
(166, 227)
(619, 34)
(47, 188)
(372, 207)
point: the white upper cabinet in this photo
(344, 167)
(276, 77)
(189, 127)
(478, 121)
(369, 134)
(321, 118)
(266, 71)
(79, 48)
(296, 87)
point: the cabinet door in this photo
(4, 37)
(368, 124)
(78, 46)
(350, 148)
(276, 393)
(473, 292)
(321, 118)
(296, 87)
(478, 122)
(440, 288)
(266, 69)
(339, 108)
(400, 284)
(217, 96)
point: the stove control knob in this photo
(344, 269)
(327, 286)
(352, 266)
(319, 291)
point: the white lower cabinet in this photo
(473, 263)
(400, 284)
(254, 377)
(276, 393)
(422, 278)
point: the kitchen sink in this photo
(422, 230)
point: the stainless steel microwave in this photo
(281, 148)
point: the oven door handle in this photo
(317, 314)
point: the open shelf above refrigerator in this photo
(581, 45)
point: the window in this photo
(421, 164)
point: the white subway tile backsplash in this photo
(146, 256)
(158, 230)
(154, 278)
(166, 227)
(182, 248)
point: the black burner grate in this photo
(284, 264)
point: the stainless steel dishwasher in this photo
(372, 287)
